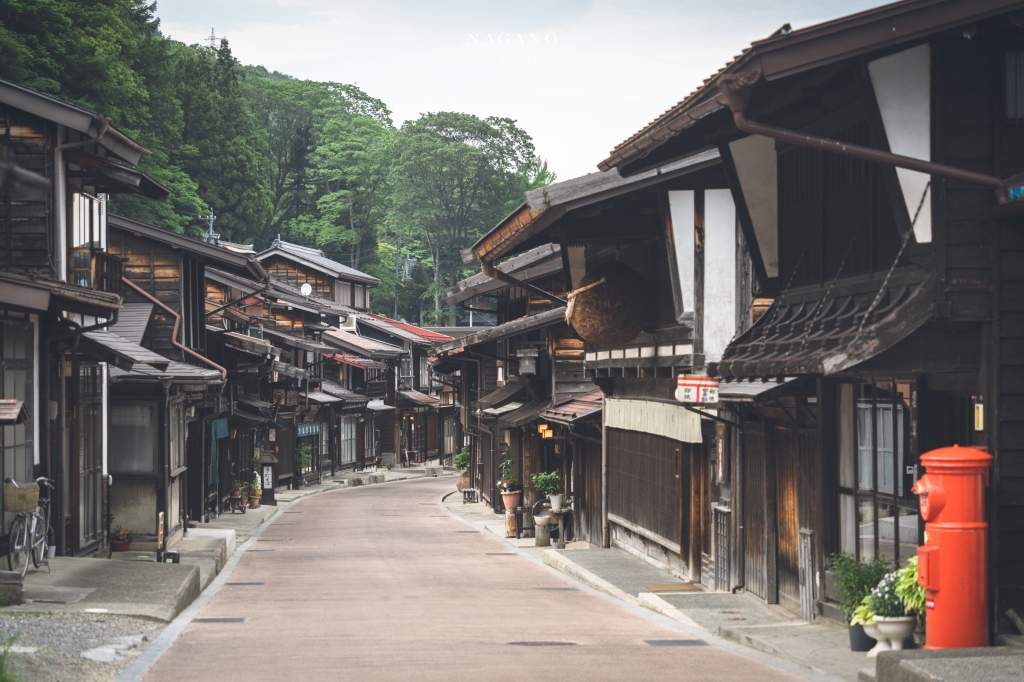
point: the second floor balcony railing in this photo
(376, 389)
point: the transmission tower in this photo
(212, 40)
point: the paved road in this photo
(378, 583)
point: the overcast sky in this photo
(579, 76)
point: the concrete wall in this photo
(133, 504)
(650, 551)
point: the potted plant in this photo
(462, 458)
(549, 484)
(119, 540)
(236, 488)
(256, 492)
(911, 592)
(891, 617)
(852, 581)
(303, 458)
(864, 616)
(508, 486)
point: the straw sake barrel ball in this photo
(616, 311)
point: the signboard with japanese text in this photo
(694, 389)
(308, 429)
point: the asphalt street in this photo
(379, 583)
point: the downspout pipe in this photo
(177, 324)
(735, 89)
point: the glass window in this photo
(449, 436)
(132, 440)
(177, 429)
(1015, 85)
(348, 439)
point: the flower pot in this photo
(871, 630)
(896, 630)
(512, 499)
(859, 640)
(556, 502)
(254, 502)
(120, 545)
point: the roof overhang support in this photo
(494, 273)
(736, 89)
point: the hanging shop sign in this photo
(694, 389)
(309, 429)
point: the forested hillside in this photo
(319, 163)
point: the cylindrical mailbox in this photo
(953, 562)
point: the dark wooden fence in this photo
(754, 509)
(586, 459)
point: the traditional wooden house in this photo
(866, 158)
(510, 373)
(61, 291)
(163, 464)
(643, 483)
(297, 265)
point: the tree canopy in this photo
(319, 163)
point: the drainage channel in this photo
(675, 642)
(218, 620)
(542, 643)
(243, 584)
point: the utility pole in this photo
(398, 276)
(210, 237)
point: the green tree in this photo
(453, 177)
(222, 149)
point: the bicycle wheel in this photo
(38, 541)
(17, 546)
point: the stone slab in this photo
(950, 665)
(128, 587)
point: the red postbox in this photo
(953, 562)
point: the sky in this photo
(579, 76)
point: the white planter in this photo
(556, 502)
(871, 630)
(896, 629)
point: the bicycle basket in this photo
(21, 499)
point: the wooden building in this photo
(893, 324)
(60, 290)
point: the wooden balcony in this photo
(376, 389)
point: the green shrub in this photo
(462, 458)
(547, 484)
(908, 590)
(853, 580)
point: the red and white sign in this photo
(694, 389)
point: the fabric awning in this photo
(120, 352)
(524, 414)
(805, 334)
(320, 397)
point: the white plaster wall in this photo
(682, 211)
(757, 169)
(133, 504)
(719, 272)
(902, 84)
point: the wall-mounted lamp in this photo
(541, 428)
(548, 434)
(527, 355)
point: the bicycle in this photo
(30, 527)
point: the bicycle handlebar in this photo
(48, 482)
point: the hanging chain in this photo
(888, 275)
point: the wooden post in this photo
(770, 516)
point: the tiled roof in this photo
(574, 408)
(418, 331)
(524, 414)
(501, 395)
(419, 398)
(12, 412)
(362, 344)
(318, 258)
(123, 352)
(178, 371)
(133, 320)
